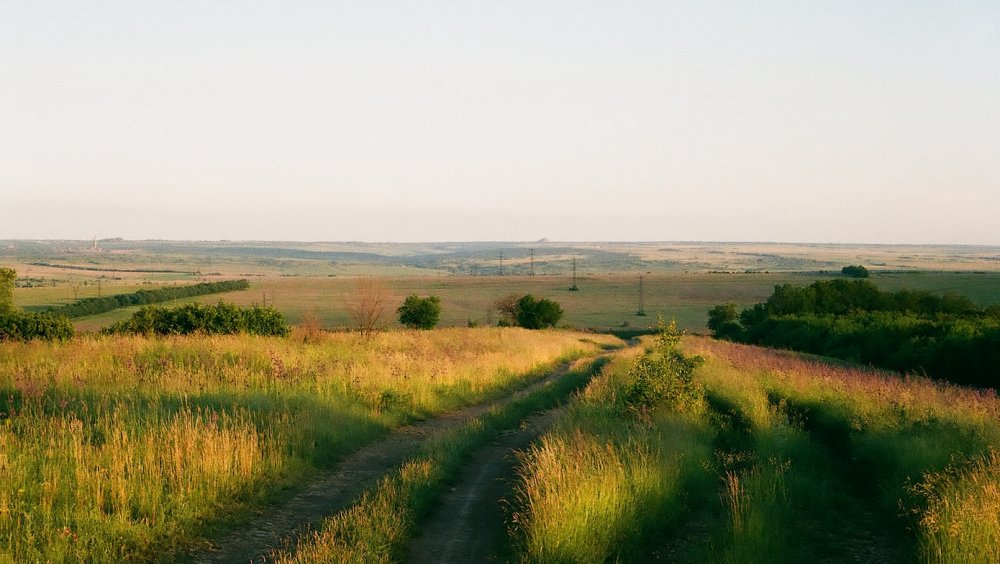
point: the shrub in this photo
(7, 278)
(21, 326)
(197, 318)
(535, 313)
(420, 313)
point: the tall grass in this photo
(378, 526)
(126, 448)
(922, 445)
(602, 485)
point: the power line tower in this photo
(641, 312)
(574, 287)
(501, 263)
(531, 253)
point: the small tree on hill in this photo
(420, 313)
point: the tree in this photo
(7, 278)
(420, 313)
(535, 313)
(367, 306)
(723, 321)
(507, 307)
(856, 271)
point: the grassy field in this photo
(783, 459)
(606, 301)
(126, 449)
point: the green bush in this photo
(535, 313)
(856, 271)
(221, 319)
(420, 313)
(21, 326)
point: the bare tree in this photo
(507, 308)
(367, 305)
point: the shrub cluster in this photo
(22, 326)
(207, 319)
(663, 376)
(528, 311)
(96, 305)
(947, 337)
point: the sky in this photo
(798, 121)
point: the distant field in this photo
(681, 280)
(602, 302)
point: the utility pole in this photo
(574, 287)
(501, 263)
(642, 311)
(531, 253)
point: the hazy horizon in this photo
(810, 122)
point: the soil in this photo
(468, 524)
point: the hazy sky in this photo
(847, 121)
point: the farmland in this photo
(680, 280)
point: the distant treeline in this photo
(102, 269)
(946, 337)
(221, 319)
(96, 305)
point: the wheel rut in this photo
(468, 525)
(281, 526)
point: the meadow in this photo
(138, 449)
(777, 458)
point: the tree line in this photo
(103, 304)
(946, 337)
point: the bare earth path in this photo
(333, 492)
(468, 523)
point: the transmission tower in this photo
(641, 312)
(574, 287)
(501, 263)
(531, 253)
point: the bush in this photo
(535, 313)
(221, 319)
(7, 278)
(96, 305)
(420, 313)
(21, 326)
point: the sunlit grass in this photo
(126, 448)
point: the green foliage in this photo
(533, 313)
(96, 305)
(947, 336)
(663, 377)
(7, 278)
(197, 318)
(24, 326)
(723, 321)
(420, 313)
(855, 271)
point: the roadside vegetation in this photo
(770, 457)
(126, 448)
